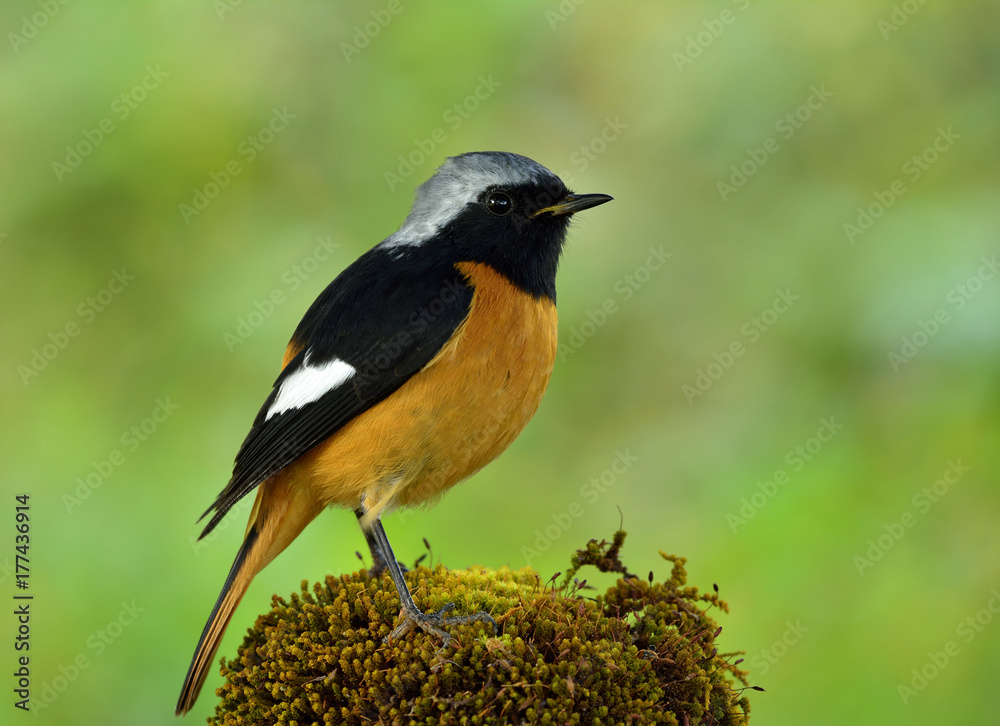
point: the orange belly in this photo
(453, 417)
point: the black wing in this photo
(387, 316)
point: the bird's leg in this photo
(378, 563)
(411, 614)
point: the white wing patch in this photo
(308, 384)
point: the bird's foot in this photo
(434, 623)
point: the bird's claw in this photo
(434, 623)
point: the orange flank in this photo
(453, 417)
(290, 352)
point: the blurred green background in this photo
(810, 411)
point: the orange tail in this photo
(278, 516)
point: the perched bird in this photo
(417, 366)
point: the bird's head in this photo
(497, 208)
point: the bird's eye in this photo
(499, 203)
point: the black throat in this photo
(525, 251)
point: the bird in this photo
(417, 366)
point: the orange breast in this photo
(454, 416)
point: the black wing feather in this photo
(387, 315)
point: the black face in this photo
(503, 229)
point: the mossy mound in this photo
(643, 652)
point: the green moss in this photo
(643, 652)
